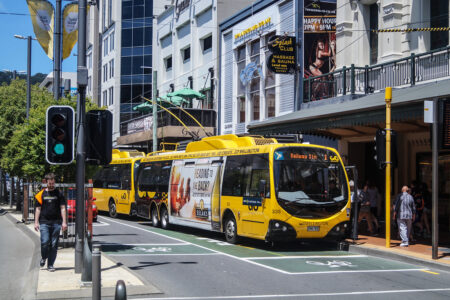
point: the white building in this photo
(186, 46)
(244, 39)
(65, 77)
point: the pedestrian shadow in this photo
(117, 265)
(144, 264)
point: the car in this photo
(71, 203)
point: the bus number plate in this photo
(313, 228)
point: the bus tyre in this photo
(231, 230)
(164, 218)
(154, 216)
(112, 209)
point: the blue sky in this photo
(13, 51)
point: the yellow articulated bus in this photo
(113, 184)
(247, 186)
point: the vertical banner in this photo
(70, 28)
(42, 17)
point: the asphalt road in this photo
(185, 263)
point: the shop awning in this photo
(187, 93)
(407, 104)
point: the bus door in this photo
(245, 190)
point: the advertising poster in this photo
(192, 189)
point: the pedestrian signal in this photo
(59, 138)
(380, 148)
(99, 137)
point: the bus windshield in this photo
(309, 182)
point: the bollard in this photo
(86, 274)
(121, 290)
(96, 273)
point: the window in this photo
(104, 15)
(373, 35)
(168, 63)
(111, 95)
(240, 57)
(207, 43)
(439, 18)
(105, 46)
(111, 68)
(89, 60)
(255, 82)
(270, 102)
(243, 174)
(116, 176)
(138, 36)
(109, 12)
(186, 54)
(127, 10)
(155, 176)
(105, 98)
(111, 41)
(105, 72)
(89, 87)
(241, 104)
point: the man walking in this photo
(50, 214)
(404, 212)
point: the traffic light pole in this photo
(388, 100)
(81, 153)
(57, 52)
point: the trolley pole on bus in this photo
(388, 100)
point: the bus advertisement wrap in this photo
(192, 190)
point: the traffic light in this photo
(380, 148)
(59, 138)
(99, 137)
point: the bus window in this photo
(243, 174)
(98, 179)
(125, 176)
(154, 177)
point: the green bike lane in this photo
(288, 261)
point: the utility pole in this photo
(82, 75)
(435, 181)
(57, 52)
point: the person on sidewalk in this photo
(404, 213)
(50, 216)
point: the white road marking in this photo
(297, 296)
(306, 256)
(173, 254)
(253, 262)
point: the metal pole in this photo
(435, 178)
(298, 78)
(96, 273)
(388, 100)
(57, 52)
(155, 114)
(29, 76)
(11, 190)
(80, 154)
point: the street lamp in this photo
(29, 38)
(154, 109)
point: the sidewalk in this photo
(419, 252)
(64, 283)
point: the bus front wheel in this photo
(231, 230)
(154, 215)
(164, 218)
(112, 209)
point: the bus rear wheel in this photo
(231, 230)
(164, 218)
(112, 209)
(154, 216)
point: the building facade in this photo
(119, 57)
(380, 44)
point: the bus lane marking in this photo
(266, 266)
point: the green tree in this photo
(22, 143)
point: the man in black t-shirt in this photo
(49, 217)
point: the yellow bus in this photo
(113, 184)
(247, 186)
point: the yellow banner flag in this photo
(70, 28)
(42, 13)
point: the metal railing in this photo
(206, 117)
(403, 72)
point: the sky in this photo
(13, 51)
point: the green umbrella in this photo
(187, 93)
(144, 107)
(176, 100)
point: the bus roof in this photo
(117, 154)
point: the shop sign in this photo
(140, 125)
(283, 59)
(253, 29)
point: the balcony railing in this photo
(403, 72)
(206, 117)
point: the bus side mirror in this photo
(262, 187)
